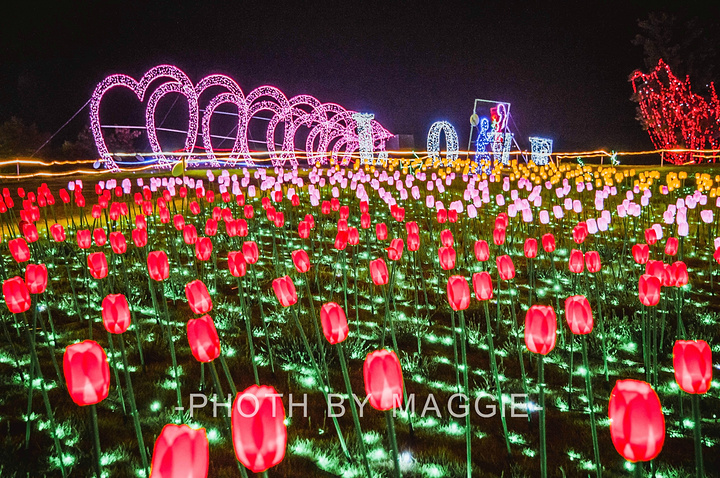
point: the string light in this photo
(451, 139)
(364, 132)
(541, 150)
(674, 115)
(332, 128)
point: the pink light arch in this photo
(328, 123)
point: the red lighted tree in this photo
(673, 115)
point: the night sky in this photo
(563, 66)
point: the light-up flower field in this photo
(583, 296)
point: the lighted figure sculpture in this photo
(332, 129)
(493, 133)
(541, 149)
(433, 143)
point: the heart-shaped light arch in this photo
(331, 127)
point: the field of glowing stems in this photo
(582, 294)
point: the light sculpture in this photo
(333, 131)
(540, 150)
(433, 143)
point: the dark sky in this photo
(563, 66)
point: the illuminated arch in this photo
(332, 129)
(451, 139)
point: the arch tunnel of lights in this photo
(331, 129)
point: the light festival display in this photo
(541, 150)
(332, 129)
(365, 140)
(493, 134)
(433, 143)
(676, 118)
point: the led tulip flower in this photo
(180, 451)
(87, 377)
(384, 389)
(540, 328)
(259, 432)
(335, 328)
(637, 423)
(458, 293)
(580, 320)
(692, 363)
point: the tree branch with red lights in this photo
(674, 116)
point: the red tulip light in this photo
(99, 236)
(83, 239)
(341, 240)
(650, 236)
(189, 234)
(334, 322)
(36, 277)
(118, 243)
(381, 231)
(412, 227)
(285, 291)
(482, 250)
(592, 261)
(499, 236)
(482, 285)
(395, 250)
(458, 292)
(641, 253)
(671, 246)
(540, 329)
(158, 265)
(301, 261)
(579, 314)
(446, 256)
(139, 237)
(30, 232)
(203, 249)
(505, 266)
(692, 362)
(680, 274)
(548, 243)
(115, 313)
(649, 290)
(58, 232)
(446, 238)
(180, 451)
(304, 229)
(250, 251)
(16, 295)
(637, 424)
(379, 272)
(236, 264)
(203, 339)
(530, 248)
(576, 261)
(441, 216)
(413, 242)
(383, 380)
(258, 428)
(580, 233)
(178, 222)
(365, 221)
(97, 263)
(19, 250)
(198, 297)
(87, 373)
